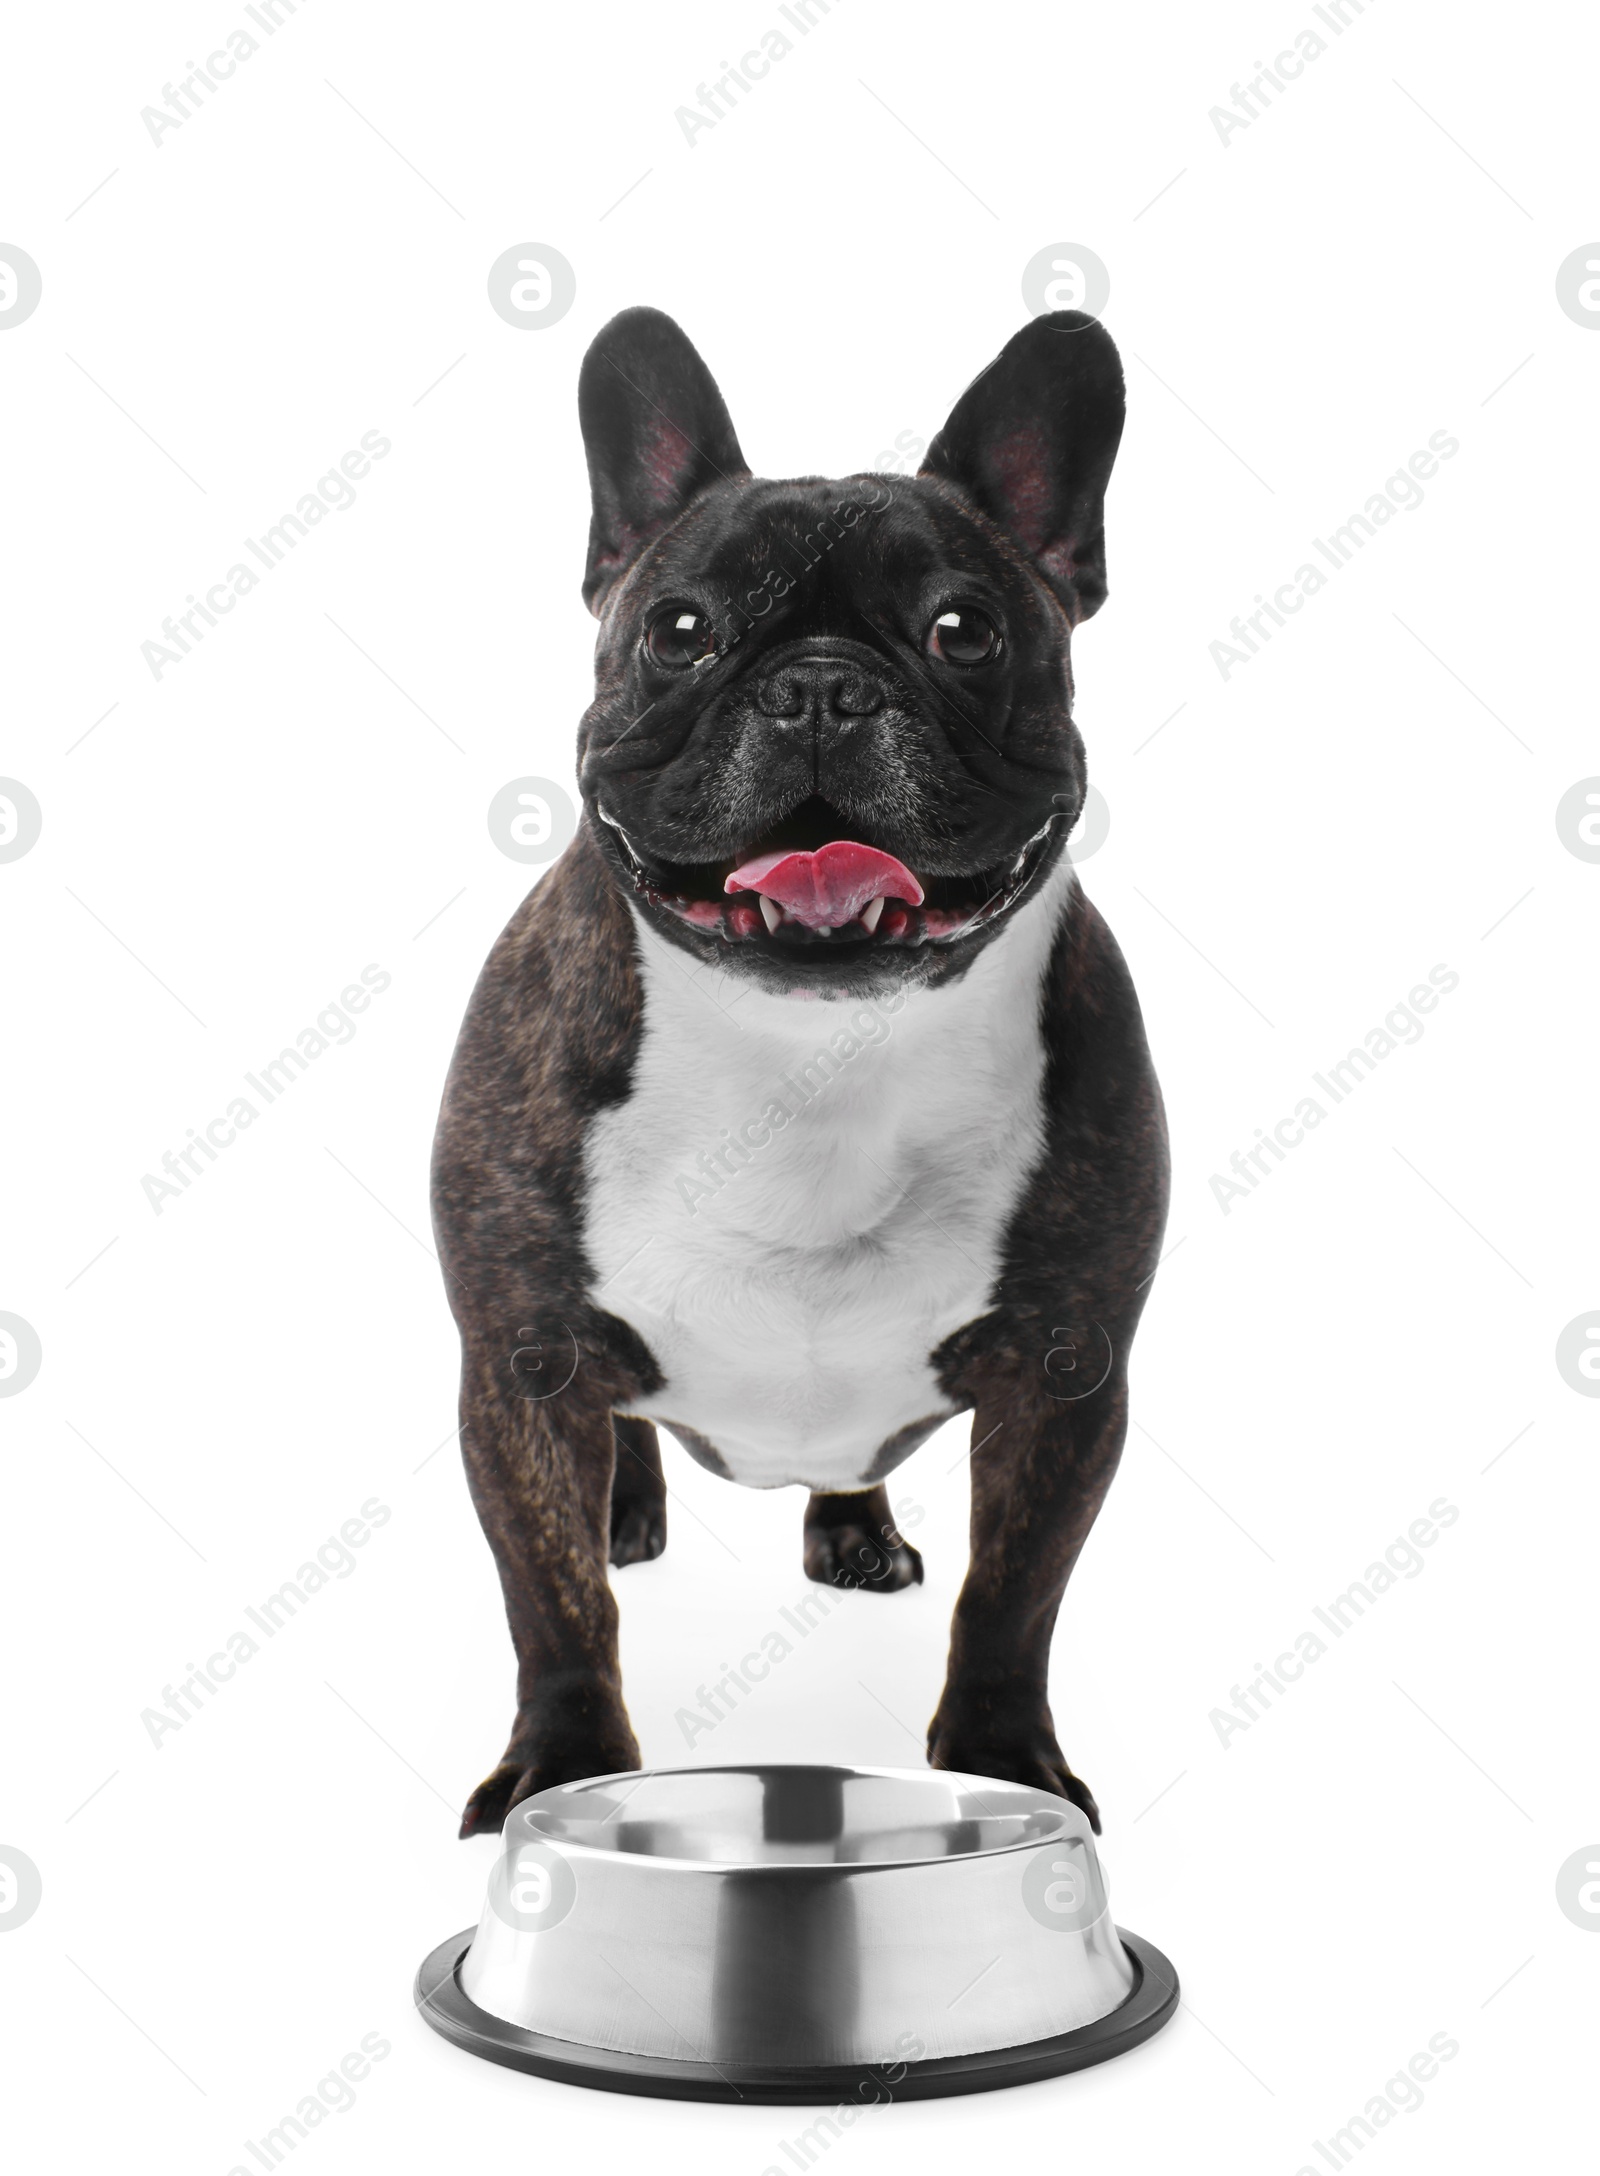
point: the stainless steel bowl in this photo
(775, 1933)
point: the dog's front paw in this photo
(1018, 1751)
(852, 1541)
(486, 1810)
(585, 1737)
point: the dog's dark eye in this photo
(963, 636)
(679, 637)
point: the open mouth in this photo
(808, 886)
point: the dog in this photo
(806, 1101)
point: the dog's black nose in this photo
(818, 689)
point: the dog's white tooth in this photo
(771, 912)
(871, 913)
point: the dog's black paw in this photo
(849, 1556)
(852, 1541)
(584, 1733)
(1025, 1753)
(514, 1780)
(638, 1531)
(486, 1810)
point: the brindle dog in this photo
(806, 1102)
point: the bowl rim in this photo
(821, 1869)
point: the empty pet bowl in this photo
(796, 1934)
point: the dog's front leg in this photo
(540, 1470)
(1041, 1466)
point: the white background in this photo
(1366, 1866)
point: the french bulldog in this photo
(805, 1102)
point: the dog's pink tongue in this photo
(826, 889)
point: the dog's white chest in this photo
(800, 1201)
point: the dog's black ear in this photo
(1031, 442)
(656, 433)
